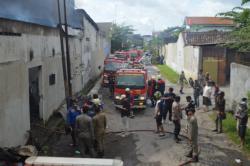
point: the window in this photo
(31, 55)
(52, 79)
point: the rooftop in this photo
(208, 21)
(205, 38)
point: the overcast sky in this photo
(152, 15)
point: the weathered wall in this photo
(14, 114)
(239, 81)
(14, 77)
(180, 57)
(191, 61)
(86, 55)
(94, 47)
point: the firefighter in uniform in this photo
(111, 85)
(152, 90)
(130, 99)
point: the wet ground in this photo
(145, 148)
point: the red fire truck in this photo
(111, 65)
(136, 81)
(122, 55)
(135, 55)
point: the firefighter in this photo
(125, 114)
(111, 85)
(152, 90)
(130, 99)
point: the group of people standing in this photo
(169, 103)
(87, 126)
(154, 86)
(212, 95)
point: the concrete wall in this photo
(239, 81)
(14, 114)
(191, 61)
(180, 57)
(15, 63)
(86, 55)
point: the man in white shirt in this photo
(207, 92)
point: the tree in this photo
(240, 36)
(120, 35)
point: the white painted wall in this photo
(180, 57)
(191, 61)
(239, 81)
(86, 56)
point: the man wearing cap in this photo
(100, 124)
(242, 115)
(85, 132)
(192, 136)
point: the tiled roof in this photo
(205, 38)
(208, 21)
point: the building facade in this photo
(32, 84)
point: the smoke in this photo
(42, 12)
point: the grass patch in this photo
(168, 73)
(229, 127)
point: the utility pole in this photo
(67, 49)
(63, 55)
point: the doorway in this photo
(34, 93)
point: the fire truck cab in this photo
(122, 55)
(136, 81)
(111, 65)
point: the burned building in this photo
(32, 84)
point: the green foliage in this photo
(119, 37)
(168, 73)
(173, 31)
(240, 36)
(229, 127)
(245, 1)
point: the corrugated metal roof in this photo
(206, 38)
(208, 21)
